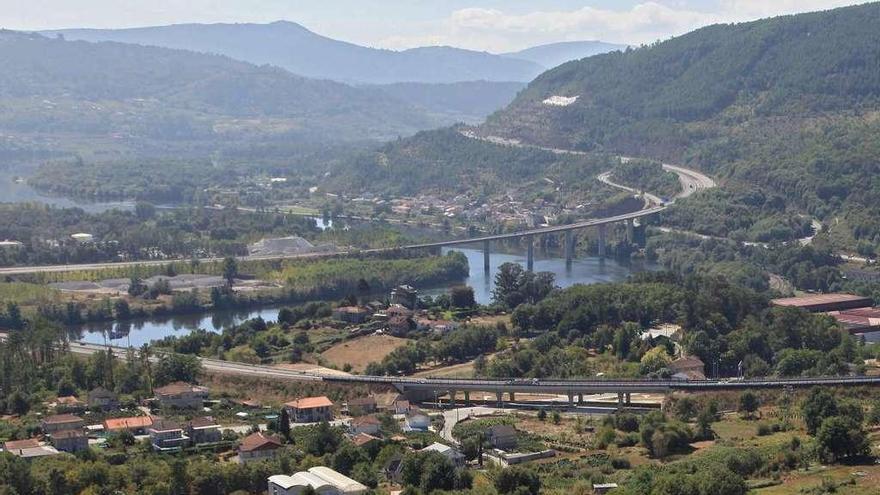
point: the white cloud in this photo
(497, 30)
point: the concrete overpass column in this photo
(512, 396)
(571, 399)
(467, 398)
(620, 400)
(530, 260)
(580, 398)
(452, 397)
(486, 257)
(500, 397)
(569, 246)
(628, 401)
(602, 234)
(631, 231)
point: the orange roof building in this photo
(258, 446)
(132, 424)
(310, 409)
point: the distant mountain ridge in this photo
(555, 54)
(295, 48)
(122, 89)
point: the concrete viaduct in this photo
(425, 388)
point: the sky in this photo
(488, 25)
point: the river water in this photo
(588, 270)
(581, 271)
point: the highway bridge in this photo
(430, 388)
(691, 182)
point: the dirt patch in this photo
(311, 368)
(362, 351)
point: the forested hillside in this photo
(123, 91)
(785, 106)
(447, 162)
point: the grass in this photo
(800, 481)
(26, 294)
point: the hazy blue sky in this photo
(492, 25)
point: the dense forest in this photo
(780, 106)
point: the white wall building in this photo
(323, 480)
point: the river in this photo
(581, 271)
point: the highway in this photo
(440, 386)
(691, 181)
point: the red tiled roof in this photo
(259, 441)
(365, 420)
(363, 439)
(60, 419)
(133, 423)
(310, 403)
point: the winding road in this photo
(691, 181)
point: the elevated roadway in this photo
(691, 181)
(426, 388)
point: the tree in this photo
(462, 296)
(840, 437)
(284, 424)
(176, 367)
(347, 457)
(655, 360)
(122, 310)
(510, 480)
(230, 271)
(748, 403)
(137, 287)
(144, 210)
(818, 405)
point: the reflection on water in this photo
(21, 192)
(581, 271)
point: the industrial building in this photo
(323, 480)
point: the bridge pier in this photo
(500, 397)
(580, 398)
(619, 400)
(603, 230)
(530, 260)
(486, 267)
(631, 231)
(569, 247)
(627, 397)
(452, 394)
(571, 399)
(512, 396)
